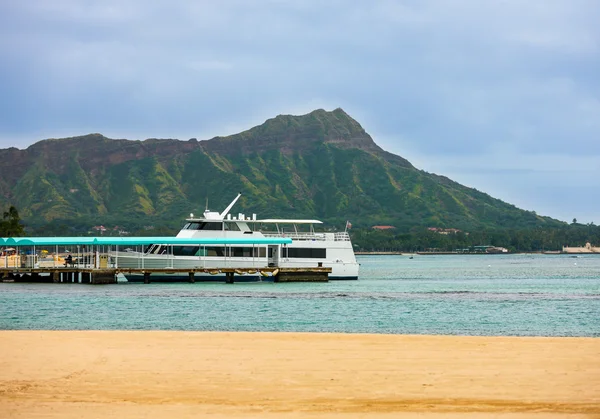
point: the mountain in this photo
(320, 165)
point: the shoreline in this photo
(545, 253)
(156, 374)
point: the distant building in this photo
(383, 227)
(496, 249)
(120, 230)
(444, 230)
(588, 248)
(488, 249)
(111, 231)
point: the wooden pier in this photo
(109, 275)
(96, 260)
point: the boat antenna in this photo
(206, 209)
(224, 213)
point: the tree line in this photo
(515, 240)
(364, 239)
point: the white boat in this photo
(308, 249)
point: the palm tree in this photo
(11, 225)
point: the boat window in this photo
(156, 249)
(306, 253)
(185, 250)
(247, 252)
(232, 226)
(210, 226)
(241, 252)
(215, 251)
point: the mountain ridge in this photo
(319, 165)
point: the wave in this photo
(443, 294)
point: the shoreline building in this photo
(588, 248)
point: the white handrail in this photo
(341, 236)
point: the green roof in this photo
(134, 241)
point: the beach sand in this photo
(153, 374)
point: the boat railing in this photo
(299, 236)
(341, 236)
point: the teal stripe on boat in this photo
(133, 241)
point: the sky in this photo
(499, 95)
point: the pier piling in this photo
(104, 276)
(86, 277)
(94, 275)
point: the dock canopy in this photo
(135, 241)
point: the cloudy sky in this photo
(500, 95)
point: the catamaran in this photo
(246, 246)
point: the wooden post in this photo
(146, 277)
(106, 276)
(191, 279)
(86, 277)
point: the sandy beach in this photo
(95, 374)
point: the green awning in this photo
(135, 241)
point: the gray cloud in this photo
(500, 95)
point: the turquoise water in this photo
(520, 295)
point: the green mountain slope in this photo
(320, 165)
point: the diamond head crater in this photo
(321, 165)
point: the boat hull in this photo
(200, 277)
(178, 277)
(339, 270)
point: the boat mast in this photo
(226, 211)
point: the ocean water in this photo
(506, 295)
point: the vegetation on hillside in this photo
(322, 165)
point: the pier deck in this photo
(96, 260)
(86, 275)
